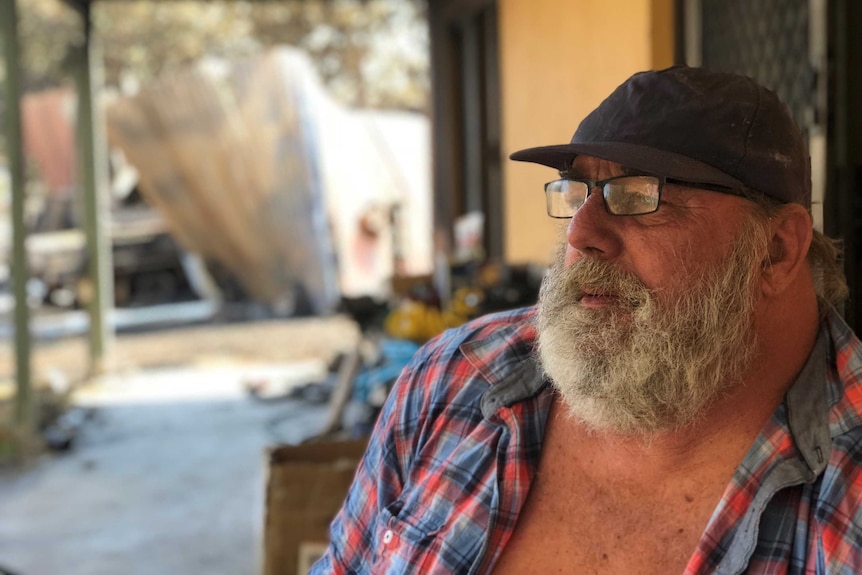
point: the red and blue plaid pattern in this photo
(451, 459)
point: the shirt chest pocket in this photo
(441, 519)
(403, 541)
(426, 531)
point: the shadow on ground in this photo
(167, 476)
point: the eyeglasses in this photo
(622, 195)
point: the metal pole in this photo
(816, 122)
(94, 173)
(23, 397)
(693, 32)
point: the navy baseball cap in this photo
(694, 125)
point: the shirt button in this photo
(388, 536)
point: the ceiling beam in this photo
(81, 5)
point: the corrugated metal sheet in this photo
(48, 125)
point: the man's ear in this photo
(790, 236)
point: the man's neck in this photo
(721, 437)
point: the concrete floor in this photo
(166, 477)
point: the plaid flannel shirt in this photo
(452, 456)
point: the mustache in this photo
(590, 276)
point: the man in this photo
(685, 398)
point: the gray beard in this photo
(655, 361)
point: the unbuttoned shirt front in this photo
(450, 463)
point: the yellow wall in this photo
(558, 60)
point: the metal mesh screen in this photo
(766, 40)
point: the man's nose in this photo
(591, 229)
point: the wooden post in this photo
(24, 413)
(94, 186)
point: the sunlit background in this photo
(267, 162)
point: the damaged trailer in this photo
(256, 169)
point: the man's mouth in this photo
(595, 299)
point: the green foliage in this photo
(46, 30)
(370, 53)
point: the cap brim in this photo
(651, 160)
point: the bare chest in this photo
(590, 530)
(577, 523)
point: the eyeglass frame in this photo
(744, 192)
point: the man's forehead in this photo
(587, 166)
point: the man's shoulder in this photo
(839, 506)
(845, 383)
(467, 360)
(499, 332)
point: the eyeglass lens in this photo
(626, 195)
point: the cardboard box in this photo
(306, 486)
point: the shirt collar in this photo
(807, 409)
(792, 448)
(507, 361)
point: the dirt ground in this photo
(168, 475)
(273, 341)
